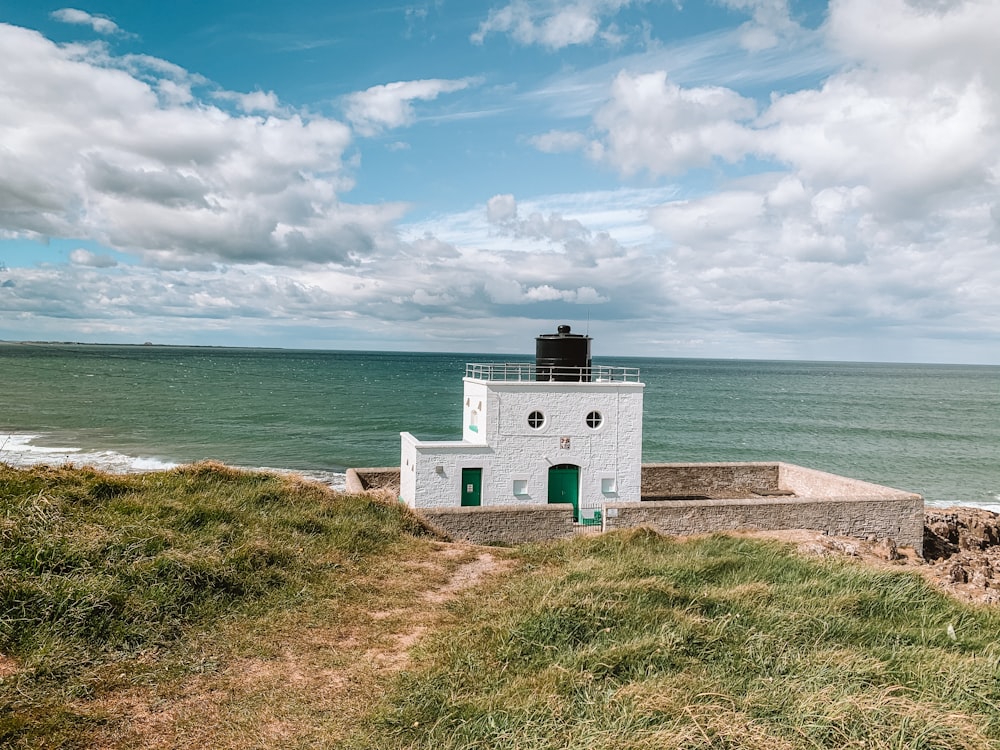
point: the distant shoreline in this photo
(144, 345)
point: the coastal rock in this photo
(962, 548)
(936, 544)
(952, 529)
(886, 549)
(961, 552)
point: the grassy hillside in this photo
(634, 641)
(111, 583)
(205, 607)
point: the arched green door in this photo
(564, 486)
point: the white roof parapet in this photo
(516, 372)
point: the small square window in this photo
(608, 486)
(520, 486)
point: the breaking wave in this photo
(23, 449)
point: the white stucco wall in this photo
(516, 458)
(430, 472)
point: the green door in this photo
(472, 486)
(564, 486)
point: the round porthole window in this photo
(594, 420)
(535, 420)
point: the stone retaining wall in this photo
(742, 496)
(899, 517)
(509, 524)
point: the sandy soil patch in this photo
(8, 666)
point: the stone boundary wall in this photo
(832, 504)
(711, 479)
(365, 480)
(899, 517)
(507, 524)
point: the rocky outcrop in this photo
(963, 546)
(952, 529)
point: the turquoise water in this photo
(932, 429)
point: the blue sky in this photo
(739, 178)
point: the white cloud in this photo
(718, 216)
(770, 24)
(880, 212)
(95, 150)
(903, 134)
(650, 123)
(82, 257)
(390, 105)
(545, 293)
(255, 101)
(909, 118)
(557, 141)
(580, 247)
(865, 211)
(100, 24)
(501, 209)
(953, 40)
(553, 24)
(510, 292)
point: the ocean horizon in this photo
(927, 428)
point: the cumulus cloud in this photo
(255, 101)
(100, 24)
(880, 203)
(390, 105)
(952, 40)
(852, 209)
(502, 264)
(651, 123)
(916, 111)
(504, 292)
(83, 257)
(822, 264)
(770, 23)
(95, 149)
(553, 24)
(914, 115)
(501, 209)
(582, 246)
(889, 131)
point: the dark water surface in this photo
(932, 429)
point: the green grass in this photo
(103, 573)
(206, 607)
(634, 641)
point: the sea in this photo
(930, 429)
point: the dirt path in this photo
(310, 680)
(465, 567)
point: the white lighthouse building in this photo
(557, 431)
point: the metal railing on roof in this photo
(514, 372)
